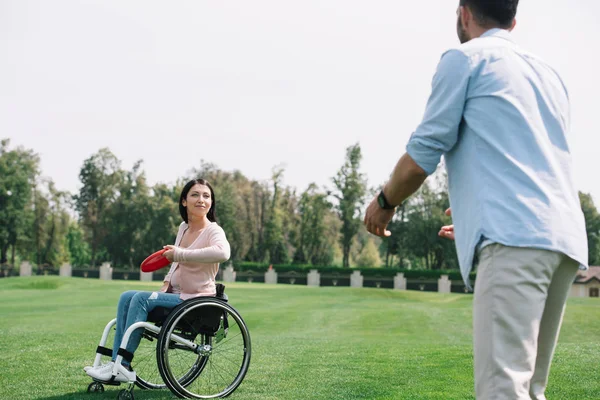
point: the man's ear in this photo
(466, 16)
(514, 23)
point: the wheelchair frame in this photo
(169, 340)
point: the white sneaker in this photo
(102, 372)
(105, 372)
(86, 369)
(124, 375)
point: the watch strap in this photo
(383, 203)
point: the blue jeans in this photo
(133, 307)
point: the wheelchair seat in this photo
(158, 315)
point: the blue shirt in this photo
(500, 116)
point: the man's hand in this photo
(406, 179)
(169, 254)
(377, 219)
(448, 230)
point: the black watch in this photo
(383, 203)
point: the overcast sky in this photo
(252, 84)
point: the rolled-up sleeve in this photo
(218, 250)
(438, 132)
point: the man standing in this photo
(500, 116)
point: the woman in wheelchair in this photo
(199, 247)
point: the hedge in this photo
(367, 272)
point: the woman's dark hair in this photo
(490, 13)
(211, 215)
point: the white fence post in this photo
(66, 270)
(313, 278)
(146, 276)
(444, 284)
(356, 279)
(25, 269)
(106, 272)
(229, 274)
(271, 276)
(399, 281)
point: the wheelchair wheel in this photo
(95, 387)
(219, 359)
(144, 363)
(125, 394)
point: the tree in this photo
(275, 243)
(369, 255)
(79, 249)
(228, 216)
(18, 169)
(242, 210)
(592, 227)
(351, 186)
(414, 238)
(51, 223)
(128, 217)
(317, 230)
(99, 176)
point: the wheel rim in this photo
(219, 367)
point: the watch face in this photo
(381, 201)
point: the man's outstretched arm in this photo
(406, 179)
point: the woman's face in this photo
(197, 202)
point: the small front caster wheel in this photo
(125, 395)
(95, 387)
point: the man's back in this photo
(509, 167)
(500, 116)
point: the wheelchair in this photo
(200, 349)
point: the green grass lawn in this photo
(308, 343)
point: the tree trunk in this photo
(50, 241)
(387, 257)
(346, 261)
(94, 246)
(4, 254)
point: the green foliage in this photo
(258, 267)
(18, 171)
(49, 216)
(414, 242)
(275, 247)
(592, 225)
(126, 240)
(99, 176)
(318, 230)
(369, 255)
(162, 217)
(79, 249)
(350, 186)
(122, 220)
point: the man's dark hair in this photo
(490, 13)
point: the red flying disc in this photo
(155, 261)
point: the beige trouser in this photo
(519, 301)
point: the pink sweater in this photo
(198, 264)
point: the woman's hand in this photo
(164, 287)
(170, 253)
